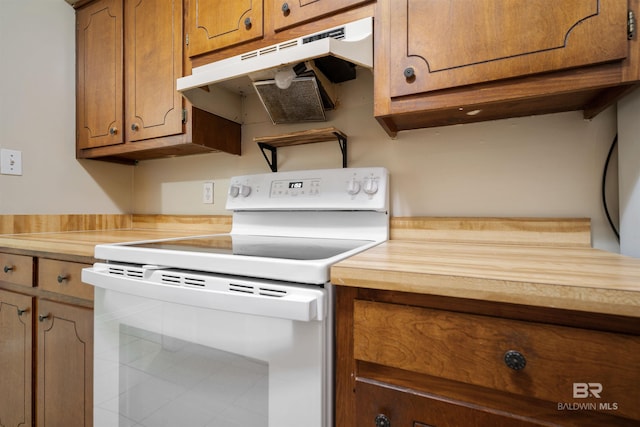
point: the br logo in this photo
(585, 390)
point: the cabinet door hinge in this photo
(184, 116)
(186, 39)
(631, 25)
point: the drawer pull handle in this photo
(61, 278)
(21, 311)
(382, 421)
(515, 360)
(8, 268)
(42, 317)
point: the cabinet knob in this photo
(134, 127)
(247, 22)
(515, 360)
(285, 9)
(409, 73)
(8, 268)
(21, 311)
(382, 421)
(62, 278)
(42, 317)
(113, 131)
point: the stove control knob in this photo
(353, 187)
(234, 191)
(370, 186)
(245, 190)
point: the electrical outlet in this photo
(207, 193)
(10, 162)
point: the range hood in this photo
(293, 79)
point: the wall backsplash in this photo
(533, 166)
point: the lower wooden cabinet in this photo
(382, 405)
(16, 348)
(46, 346)
(64, 365)
(412, 360)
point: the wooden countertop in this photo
(73, 237)
(573, 278)
(74, 244)
(453, 257)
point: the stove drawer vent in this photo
(131, 272)
(182, 280)
(257, 290)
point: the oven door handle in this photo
(295, 303)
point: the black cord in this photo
(604, 181)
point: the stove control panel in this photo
(326, 189)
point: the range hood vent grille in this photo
(301, 103)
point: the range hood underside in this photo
(220, 87)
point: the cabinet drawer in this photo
(377, 403)
(64, 278)
(16, 269)
(525, 358)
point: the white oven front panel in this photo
(160, 363)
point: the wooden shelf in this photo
(272, 143)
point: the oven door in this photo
(192, 360)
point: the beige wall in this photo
(37, 117)
(534, 166)
(629, 149)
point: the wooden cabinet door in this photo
(99, 83)
(16, 313)
(439, 44)
(65, 365)
(292, 12)
(153, 63)
(216, 24)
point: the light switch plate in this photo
(10, 162)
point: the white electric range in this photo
(241, 324)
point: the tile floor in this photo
(166, 382)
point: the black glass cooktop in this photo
(296, 248)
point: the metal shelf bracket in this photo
(269, 145)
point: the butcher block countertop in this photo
(538, 262)
(573, 278)
(68, 241)
(77, 244)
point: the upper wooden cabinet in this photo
(100, 74)
(454, 61)
(287, 13)
(213, 25)
(438, 47)
(129, 56)
(153, 63)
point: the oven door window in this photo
(165, 364)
